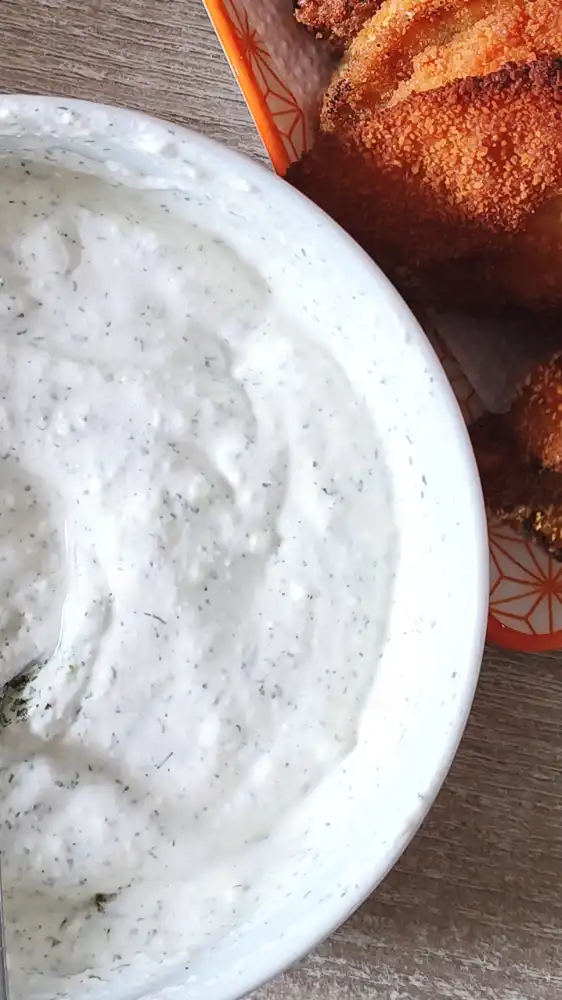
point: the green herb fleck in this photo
(101, 899)
(14, 696)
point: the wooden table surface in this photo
(473, 911)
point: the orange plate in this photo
(526, 585)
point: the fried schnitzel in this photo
(523, 268)
(454, 176)
(337, 20)
(535, 417)
(517, 490)
(440, 151)
(412, 46)
(519, 456)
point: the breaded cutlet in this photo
(336, 20)
(471, 168)
(518, 491)
(536, 415)
(412, 46)
(519, 455)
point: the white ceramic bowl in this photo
(428, 669)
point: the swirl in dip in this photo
(195, 540)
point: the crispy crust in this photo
(441, 153)
(517, 490)
(536, 416)
(523, 270)
(412, 46)
(336, 20)
(519, 456)
(472, 168)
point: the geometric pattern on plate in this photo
(288, 117)
(525, 584)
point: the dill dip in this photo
(194, 548)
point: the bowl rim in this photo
(472, 647)
(247, 58)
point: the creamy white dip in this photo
(193, 544)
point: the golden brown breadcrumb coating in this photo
(524, 268)
(337, 20)
(472, 167)
(440, 151)
(519, 455)
(536, 415)
(411, 46)
(517, 490)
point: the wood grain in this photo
(160, 56)
(473, 911)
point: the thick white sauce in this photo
(187, 487)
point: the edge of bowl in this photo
(476, 530)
